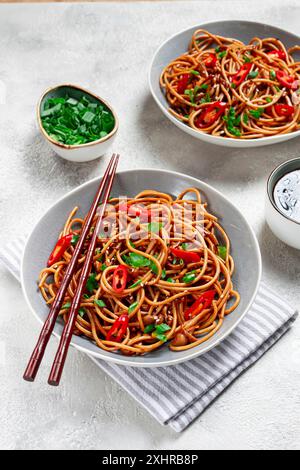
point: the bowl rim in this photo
(114, 358)
(271, 187)
(193, 132)
(87, 92)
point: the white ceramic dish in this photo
(285, 228)
(178, 44)
(83, 152)
(245, 251)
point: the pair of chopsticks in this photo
(32, 368)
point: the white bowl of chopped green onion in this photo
(77, 124)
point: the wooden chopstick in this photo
(62, 351)
(38, 352)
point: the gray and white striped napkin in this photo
(176, 395)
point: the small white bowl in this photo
(83, 152)
(285, 228)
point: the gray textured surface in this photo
(107, 48)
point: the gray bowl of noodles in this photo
(254, 96)
(244, 250)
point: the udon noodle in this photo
(226, 88)
(178, 283)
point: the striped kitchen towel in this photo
(176, 395)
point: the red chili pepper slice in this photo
(59, 249)
(286, 80)
(284, 110)
(120, 278)
(240, 76)
(210, 60)
(183, 83)
(187, 256)
(277, 53)
(203, 302)
(118, 330)
(210, 114)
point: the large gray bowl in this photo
(178, 44)
(245, 251)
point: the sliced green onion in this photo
(149, 328)
(222, 251)
(74, 240)
(256, 113)
(189, 277)
(137, 283)
(154, 227)
(81, 312)
(132, 307)
(160, 337)
(162, 328)
(92, 283)
(253, 74)
(65, 306)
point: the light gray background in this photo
(107, 48)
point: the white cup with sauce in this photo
(283, 202)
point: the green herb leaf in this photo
(204, 86)
(136, 260)
(272, 75)
(100, 303)
(246, 118)
(92, 283)
(268, 99)
(103, 267)
(222, 251)
(170, 279)
(132, 307)
(195, 72)
(163, 274)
